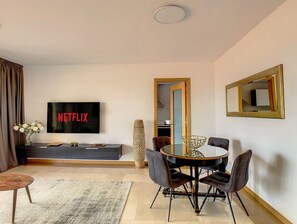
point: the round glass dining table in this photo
(205, 156)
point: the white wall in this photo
(126, 93)
(274, 161)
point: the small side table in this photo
(9, 182)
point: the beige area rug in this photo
(67, 201)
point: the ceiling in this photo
(48, 32)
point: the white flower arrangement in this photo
(29, 129)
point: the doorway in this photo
(172, 108)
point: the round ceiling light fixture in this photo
(169, 14)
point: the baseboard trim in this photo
(273, 211)
(80, 162)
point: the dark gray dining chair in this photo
(161, 141)
(230, 183)
(222, 143)
(161, 174)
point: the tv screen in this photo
(73, 117)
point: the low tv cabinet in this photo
(65, 151)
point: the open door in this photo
(162, 107)
(178, 112)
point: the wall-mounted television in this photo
(73, 117)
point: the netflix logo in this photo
(73, 117)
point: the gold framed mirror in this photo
(260, 95)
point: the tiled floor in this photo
(137, 209)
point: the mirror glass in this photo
(232, 99)
(259, 95)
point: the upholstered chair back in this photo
(240, 172)
(158, 168)
(159, 142)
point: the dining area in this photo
(196, 170)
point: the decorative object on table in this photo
(139, 143)
(99, 145)
(29, 129)
(74, 144)
(69, 201)
(195, 154)
(55, 144)
(194, 141)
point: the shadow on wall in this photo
(234, 150)
(269, 175)
(149, 130)
(237, 148)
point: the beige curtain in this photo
(11, 111)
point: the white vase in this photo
(139, 144)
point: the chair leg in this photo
(156, 196)
(170, 205)
(231, 207)
(188, 195)
(179, 169)
(181, 172)
(214, 198)
(205, 198)
(242, 204)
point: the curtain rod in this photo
(2, 60)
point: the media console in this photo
(65, 151)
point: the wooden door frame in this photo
(188, 101)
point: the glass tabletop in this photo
(205, 152)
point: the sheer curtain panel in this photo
(11, 111)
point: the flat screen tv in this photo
(73, 117)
